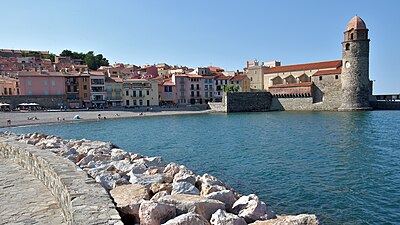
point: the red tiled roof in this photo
(328, 72)
(237, 78)
(223, 77)
(305, 84)
(96, 73)
(306, 66)
(168, 83)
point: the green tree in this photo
(93, 61)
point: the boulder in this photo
(209, 184)
(130, 168)
(184, 188)
(193, 203)
(220, 217)
(158, 195)
(155, 213)
(302, 219)
(103, 168)
(171, 169)
(152, 162)
(188, 219)
(118, 154)
(152, 171)
(252, 209)
(146, 180)
(85, 161)
(225, 196)
(128, 199)
(110, 181)
(157, 187)
(185, 175)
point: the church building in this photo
(342, 85)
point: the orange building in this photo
(77, 89)
(9, 86)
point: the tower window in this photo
(347, 46)
(336, 77)
(351, 36)
(320, 77)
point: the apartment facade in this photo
(9, 86)
(77, 89)
(140, 93)
(113, 88)
(97, 89)
(41, 83)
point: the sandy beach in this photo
(44, 117)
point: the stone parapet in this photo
(81, 199)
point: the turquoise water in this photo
(344, 167)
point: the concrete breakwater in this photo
(147, 190)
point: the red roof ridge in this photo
(328, 72)
(305, 66)
(304, 84)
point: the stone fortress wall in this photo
(81, 199)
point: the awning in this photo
(4, 104)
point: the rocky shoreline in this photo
(149, 191)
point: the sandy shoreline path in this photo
(43, 117)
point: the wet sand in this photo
(44, 117)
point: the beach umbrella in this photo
(77, 117)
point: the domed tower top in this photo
(356, 30)
(356, 23)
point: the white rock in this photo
(158, 195)
(186, 176)
(225, 196)
(128, 199)
(83, 162)
(110, 181)
(118, 154)
(220, 217)
(193, 203)
(209, 184)
(252, 209)
(155, 213)
(172, 169)
(184, 188)
(146, 180)
(188, 219)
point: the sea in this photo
(342, 166)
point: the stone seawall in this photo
(248, 101)
(81, 199)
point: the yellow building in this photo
(113, 88)
(9, 86)
(140, 92)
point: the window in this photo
(210, 87)
(84, 79)
(58, 93)
(134, 102)
(126, 93)
(29, 83)
(53, 83)
(84, 87)
(10, 91)
(5, 91)
(192, 94)
(255, 72)
(140, 102)
(192, 86)
(197, 86)
(210, 81)
(205, 81)
(336, 77)
(134, 93)
(29, 92)
(148, 92)
(85, 95)
(320, 77)
(206, 94)
(198, 94)
(140, 93)
(45, 83)
(210, 94)
(347, 46)
(127, 102)
(251, 79)
(206, 87)
(351, 36)
(170, 88)
(46, 92)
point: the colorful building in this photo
(113, 88)
(41, 83)
(97, 89)
(77, 88)
(9, 86)
(140, 92)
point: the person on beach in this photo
(8, 122)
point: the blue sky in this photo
(209, 32)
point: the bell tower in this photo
(356, 87)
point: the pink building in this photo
(41, 83)
(189, 88)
